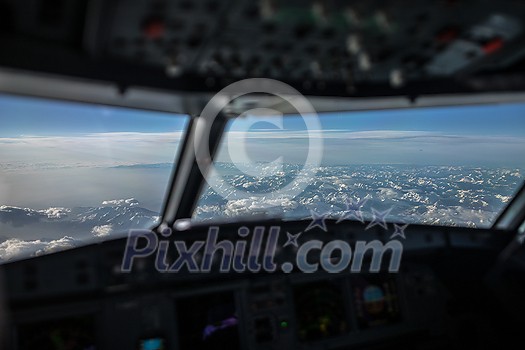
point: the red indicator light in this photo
(493, 46)
(153, 29)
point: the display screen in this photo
(208, 321)
(320, 310)
(152, 344)
(376, 300)
(75, 333)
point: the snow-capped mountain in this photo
(39, 231)
(122, 214)
(439, 195)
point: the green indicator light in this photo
(284, 324)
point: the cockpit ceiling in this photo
(326, 48)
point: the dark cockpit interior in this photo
(262, 174)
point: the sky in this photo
(488, 120)
(70, 154)
(30, 116)
(480, 120)
(53, 153)
(21, 116)
(37, 132)
(482, 135)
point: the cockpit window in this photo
(455, 166)
(73, 173)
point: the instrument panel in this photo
(320, 47)
(316, 42)
(93, 305)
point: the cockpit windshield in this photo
(74, 173)
(457, 166)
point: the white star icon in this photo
(353, 210)
(292, 239)
(317, 221)
(399, 231)
(379, 218)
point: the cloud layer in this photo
(17, 248)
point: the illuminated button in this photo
(493, 46)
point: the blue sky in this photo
(73, 134)
(39, 117)
(31, 116)
(69, 154)
(480, 135)
(489, 120)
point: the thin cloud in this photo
(88, 150)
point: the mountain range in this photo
(437, 195)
